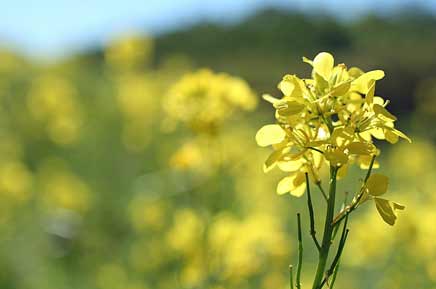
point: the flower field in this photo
(138, 170)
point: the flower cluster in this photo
(331, 118)
(204, 99)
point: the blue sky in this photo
(59, 27)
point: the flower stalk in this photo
(311, 214)
(300, 253)
(291, 277)
(328, 230)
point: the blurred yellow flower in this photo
(129, 52)
(136, 96)
(189, 156)
(60, 188)
(52, 101)
(147, 214)
(241, 247)
(202, 100)
(186, 232)
(15, 181)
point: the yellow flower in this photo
(329, 118)
(53, 102)
(186, 232)
(129, 52)
(203, 100)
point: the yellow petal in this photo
(299, 191)
(286, 86)
(321, 83)
(323, 64)
(355, 72)
(377, 184)
(383, 113)
(318, 159)
(378, 100)
(385, 210)
(398, 206)
(401, 134)
(270, 134)
(285, 185)
(365, 160)
(369, 98)
(295, 184)
(270, 98)
(340, 136)
(289, 108)
(271, 161)
(359, 148)
(366, 135)
(391, 136)
(363, 82)
(290, 166)
(292, 87)
(378, 133)
(299, 185)
(342, 172)
(341, 88)
(336, 158)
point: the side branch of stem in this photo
(356, 201)
(300, 253)
(311, 214)
(318, 184)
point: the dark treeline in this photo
(269, 44)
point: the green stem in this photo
(356, 201)
(328, 230)
(336, 259)
(300, 253)
(332, 283)
(291, 277)
(318, 184)
(311, 214)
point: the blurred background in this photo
(126, 163)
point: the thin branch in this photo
(355, 203)
(300, 253)
(318, 184)
(368, 173)
(335, 261)
(337, 257)
(335, 273)
(311, 215)
(291, 277)
(336, 227)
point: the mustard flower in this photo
(203, 100)
(330, 119)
